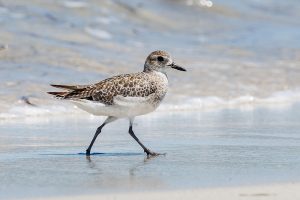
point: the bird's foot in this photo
(88, 152)
(151, 153)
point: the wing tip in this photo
(59, 95)
(67, 87)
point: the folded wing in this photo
(128, 85)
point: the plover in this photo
(124, 96)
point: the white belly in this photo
(121, 109)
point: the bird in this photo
(125, 95)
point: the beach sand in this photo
(282, 191)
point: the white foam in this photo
(98, 33)
(276, 99)
(24, 110)
(106, 20)
(75, 4)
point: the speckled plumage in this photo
(126, 95)
(142, 84)
(132, 85)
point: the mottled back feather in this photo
(132, 85)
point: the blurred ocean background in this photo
(237, 53)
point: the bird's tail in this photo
(72, 92)
(59, 95)
(63, 95)
(66, 87)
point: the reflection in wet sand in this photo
(228, 147)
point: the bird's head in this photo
(160, 61)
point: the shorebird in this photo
(124, 96)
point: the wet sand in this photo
(44, 157)
(283, 191)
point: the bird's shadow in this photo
(112, 154)
(94, 154)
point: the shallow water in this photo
(236, 52)
(227, 147)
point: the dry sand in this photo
(276, 191)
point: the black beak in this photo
(174, 66)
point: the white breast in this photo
(161, 81)
(123, 107)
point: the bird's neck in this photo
(150, 71)
(157, 73)
(147, 68)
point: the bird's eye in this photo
(160, 58)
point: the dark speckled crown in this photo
(151, 63)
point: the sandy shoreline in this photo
(276, 191)
(219, 153)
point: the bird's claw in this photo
(88, 153)
(151, 153)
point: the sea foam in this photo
(275, 100)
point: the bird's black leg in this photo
(146, 150)
(98, 131)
